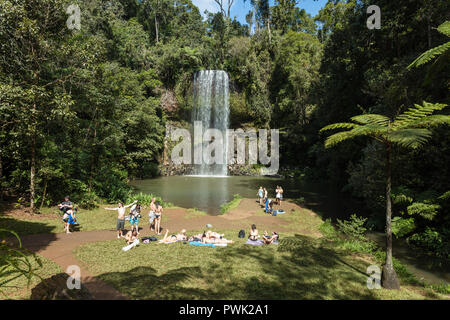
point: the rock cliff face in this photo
(168, 168)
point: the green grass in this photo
(195, 213)
(94, 219)
(299, 268)
(17, 289)
(233, 204)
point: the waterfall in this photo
(211, 107)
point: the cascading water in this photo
(211, 107)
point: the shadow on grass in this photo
(55, 288)
(298, 268)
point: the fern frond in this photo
(445, 28)
(339, 125)
(414, 114)
(410, 137)
(339, 137)
(377, 119)
(429, 55)
(431, 121)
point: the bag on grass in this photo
(241, 234)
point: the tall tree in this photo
(408, 130)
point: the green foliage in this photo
(328, 230)
(144, 199)
(354, 227)
(233, 204)
(16, 262)
(402, 227)
(427, 211)
(431, 241)
(436, 51)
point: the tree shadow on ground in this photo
(298, 268)
(55, 288)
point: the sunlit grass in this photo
(299, 268)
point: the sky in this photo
(241, 8)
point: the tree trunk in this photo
(429, 31)
(156, 29)
(44, 193)
(389, 276)
(32, 169)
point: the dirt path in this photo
(60, 247)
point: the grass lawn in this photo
(299, 267)
(50, 222)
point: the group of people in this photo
(155, 216)
(205, 237)
(68, 214)
(254, 236)
(264, 200)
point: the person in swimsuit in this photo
(135, 213)
(120, 217)
(158, 214)
(266, 195)
(270, 239)
(173, 238)
(253, 233)
(152, 214)
(131, 236)
(280, 198)
(277, 194)
(261, 195)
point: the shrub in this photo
(431, 241)
(401, 227)
(145, 199)
(353, 228)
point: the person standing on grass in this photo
(260, 195)
(280, 191)
(152, 214)
(278, 194)
(135, 214)
(266, 196)
(158, 214)
(120, 217)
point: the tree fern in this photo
(436, 51)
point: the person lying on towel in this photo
(174, 237)
(270, 239)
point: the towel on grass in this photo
(201, 244)
(258, 242)
(128, 247)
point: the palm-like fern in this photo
(410, 129)
(436, 51)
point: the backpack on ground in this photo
(241, 234)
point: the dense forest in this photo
(83, 111)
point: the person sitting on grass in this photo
(253, 233)
(131, 236)
(65, 205)
(270, 239)
(174, 238)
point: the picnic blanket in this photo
(258, 242)
(128, 247)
